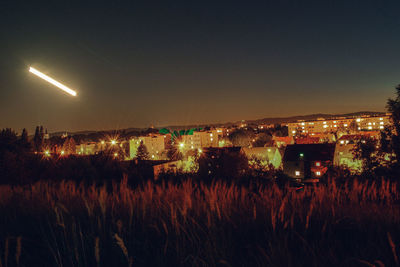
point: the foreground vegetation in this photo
(198, 224)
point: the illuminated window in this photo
(342, 142)
(324, 122)
(317, 163)
(369, 127)
(334, 121)
(358, 120)
(345, 125)
(302, 123)
(325, 126)
(293, 132)
(318, 173)
(382, 122)
(381, 127)
(297, 173)
(381, 119)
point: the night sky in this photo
(188, 62)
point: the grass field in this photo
(197, 224)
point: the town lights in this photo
(181, 145)
(47, 153)
(62, 152)
(113, 142)
(52, 81)
(115, 155)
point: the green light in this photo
(301, 155)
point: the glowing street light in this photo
(52, 81)
(113, 142)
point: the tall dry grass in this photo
(198, 224)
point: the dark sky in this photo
(187, 62)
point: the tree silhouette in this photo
(393, 106)
(38, 139)
(263, 139)
(69, 146)
(24, 142)
(241, 137)
(142, 153)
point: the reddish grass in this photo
(195, 224)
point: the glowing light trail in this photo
(52, 81)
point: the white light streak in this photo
(52, 81)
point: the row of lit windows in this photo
(317, 173)
(345, 124)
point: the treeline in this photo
(381, 157)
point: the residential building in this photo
(202, 139)
(155, 145)
(166, 167)
(222, 162)
(89, 148)
(268, 155)
(344, 150)
(342, 124)
(305, 161)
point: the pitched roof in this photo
(265, 152)
(358, 136)
(307, 140)
(310, 152)
(286, 139)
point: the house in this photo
(304, 161)
(222, 162)
(182, 166)
(270, 155)
(166, 167)
(344, 155)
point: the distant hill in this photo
(275, 120)
(312, 117)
